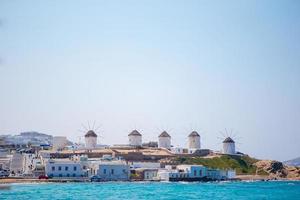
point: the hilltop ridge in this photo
(293, 162)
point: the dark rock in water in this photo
(274, 167)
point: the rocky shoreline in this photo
(277, 170)
(238, 178)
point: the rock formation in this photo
(276, 169)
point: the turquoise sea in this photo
(150, 190)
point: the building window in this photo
(60, 175)
(104, 171)
(112, 171)
(200, 172)
(75, 168)
(195, 173)
(66, 168)
(51, 175)
(53, 168)
(74, 175)
(68, 175)
(59, 168)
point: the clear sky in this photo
(154, 65)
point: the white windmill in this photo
(90, 136)
(228, 143)
(164, 140)
(135, 138)
(194, 141)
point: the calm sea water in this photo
(146, 190)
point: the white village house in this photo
(64, 168)
(193, 173)
(113, 171)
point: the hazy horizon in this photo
(154, 65)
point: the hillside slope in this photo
(244, 165)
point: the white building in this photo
(193, 141)
(179, 150)
(5, 160)
(230, 174)
(215, 174)
(113, 171)
(228, 146)
(17, 164)
(59, 142)
(164, 140)
(193, 171)
(164, 174)
(135, 138)
(90, 139)
(150, 174)
(64, 168)
(182, 173)
(148, 165)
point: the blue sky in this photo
(154, 65)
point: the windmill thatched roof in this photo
(228, 140)
(194, 134)
(135, 133)
(90, 133)
(164, 134)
